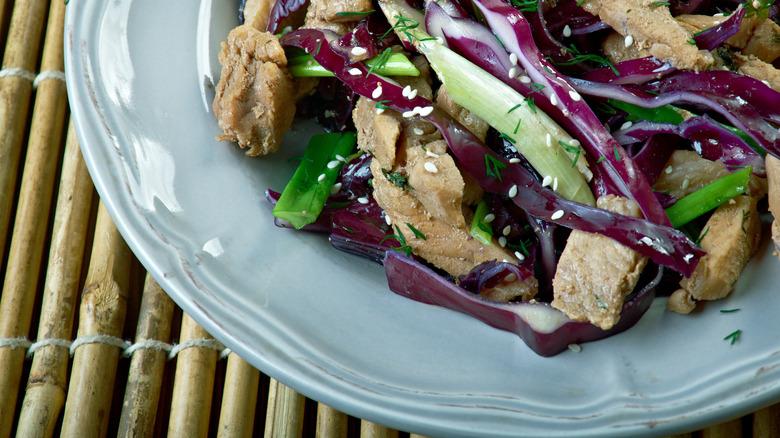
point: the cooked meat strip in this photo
(253, 102)
(256, 13)
(595, 274)
(730, 237)
(471, 121)
(335, 15)
(652, 28)
(773, 175)
(378, 131)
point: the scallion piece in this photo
(305, 195)
(708, 197)
(393, 64)
(480, 229)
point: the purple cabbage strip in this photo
(490, 274)
(545, 42)
(413, 280)
(708, 137)
(632, 71)
(679, 7)
(281, 10)
(711, 38)
(573, 114)
(568, 13)
(735, 104)
(360, 36)
(361, 236)
(664, 245)
(651, 156)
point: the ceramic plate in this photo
(140, 75)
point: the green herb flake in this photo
(416, 232)
(600, 303)
(617, 153)
(493, 167)
(730, 310)
(733, 336)
(514, 108)
(698, 241)
(397, 179)
(576, 150)
(353, 13)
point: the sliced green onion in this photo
(481, 230)
(305, 195)
(392, 64)
(664, 114)
(708, 197)
(533, 133)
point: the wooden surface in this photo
(138, 366)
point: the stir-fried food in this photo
(542, 166)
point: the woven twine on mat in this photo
(32, 77)
(127, 347)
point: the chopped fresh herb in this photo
(690, 41)
(514, 108)
(518, 125)
(494, 167)
(381, 104)
(380, 62)
(733, 336)
(416, 232)
(601, 159)
(526, 5)
(745, 217)
(481, 230)
(698, 241)
(404, 248)
(728, 57)
(617, 153)
(576, 150)
(600, 303)
(354, 13)
(531, 104)
(659, 3)
(595, 60)
(535, 87)
(505, 137)
(396, 178)
(349, 230)
(580, 2)
(319, 46)
(730, 310)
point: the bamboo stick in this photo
(22, 271)
(102, 312)
(193, 385)
(284, 416)
(21, 52)
(330, 422)
(239, 398)
(766, 422)
(727, 429)
(142, 393)
(47, 382)
(373, 430)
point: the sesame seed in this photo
(628, 41)
(647, 241)
(412, 94)
(380, 110)
(557, 215)
(407, 89)
(511, 277)
(340, 158)
(574, 142)
(512, 72)
(335, 189)
(333, 164)
(362, 200)
(519, 255)
(388, 221)
(408, 114)
(418, 131)
(507, 229)
(513, 58)
(548, 140)
(554, 99)
(355, 71)
(490, 217)
(377, 92)
(514, 160)
(575, 96)
(555, 184)
(626, 125)
(575, 348)
(686, 183)
(525, 79)
(440, 40)
(688, 257)
(359, 51)
(430, 167)
(546, 181)
(513, 191)
(669, 169)
(566, 31)
(425, 111)
(502, 241)
(431, 154)
(321, 178)
(304, 212)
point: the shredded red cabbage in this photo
(283, 9)
(632, 71)
(711, 38)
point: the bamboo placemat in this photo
(90, 345)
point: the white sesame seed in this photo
(425, 111)
(514, 160)
(502, 241)
(359, 51)
(418, 131)
(412, 94)
(546, 181)
(525, 79)
(513, 191)
(377, 92)
(513, 58)
(340, 158)
(686, 183)
(554, 99)
(511, 277)
(440, 40)
(688, 257)
(626, 125)
(408, 114)
(512, 73)
(490, 217)
(519, 255)
(304, 212)
(355, 71)
(765, 82)
(380, 110)
(575, 348)
(335, 189)
(507, 229)
(548, 140)
(646, 240)
(431, 154)
(388, 221)
(628, 41)
(321, 178)
(333, 164)
(575, 96)
(430, 167)
(407, 89)
(557, 215)
(555, 184)
(574, 142)
(566, 31)
(362, 200)
(669, 169)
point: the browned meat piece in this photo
(773, 175)
(256, 13)
(652, 28)
(436, 182)
(335, 15)
(756, 36)
(378, 131)
(698, 23)
(472, 122)
(756, 68)
(615, 48)
(595, 274)
(730, 237)
(447, 247)
(687, 171)
(253, 102)
(764, 44)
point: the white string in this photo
(149, 344)
(62, 343)
(48, 74)
(199, 343)
(14, 343)
(30, 76)
(17, 72)
(98, 339)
